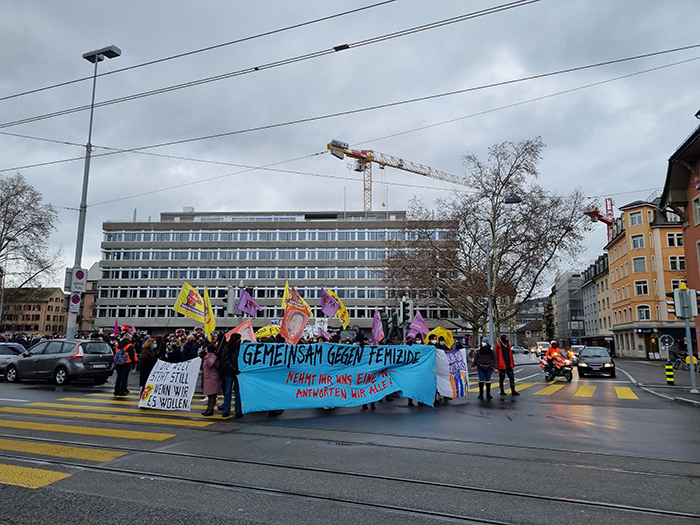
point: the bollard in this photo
(669, 373)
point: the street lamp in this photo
(9, 239)
(94, 57)
(514, 199)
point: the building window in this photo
(677, 263)
(675, 239)
(696, 210)
(641, 288)
(637, 242)
(676, 283)
(639, 264)
(635, 218)
(672, 217)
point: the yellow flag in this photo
(190, 304)
(292, 298)
(342, 313)
(209, 320)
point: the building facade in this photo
(569, 308)
(144, 265)
(646, 260)
(33, 311)
(597, 311)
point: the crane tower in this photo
(363, 164)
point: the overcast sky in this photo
(611, 139)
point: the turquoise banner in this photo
(280, 376)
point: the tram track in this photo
(601, 505)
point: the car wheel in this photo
(11, 374)
(60, 376)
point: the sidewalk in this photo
(651, 377)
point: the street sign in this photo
(666, 340)
(74, 305)
(574, 340)
(79, 280)
(528, 333)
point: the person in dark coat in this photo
(483, 363)
(230, 371)
(211, 379)
(189, 350)
(149, 357)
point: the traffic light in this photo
(230, 301)
(673, 303)
(406, 311)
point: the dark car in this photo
(63, 361)
(595, 360)
(7, 351)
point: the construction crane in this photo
(363, 164)
(608, 219)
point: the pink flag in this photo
(246, 331)
(329, 306)
(377, 329)
(418, 326)
(247, 304)
(324, 334)
(116, 327)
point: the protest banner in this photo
(293, 324)
(170, 386)
(451, 372)
(279, 376)
(245, 329)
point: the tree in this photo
(26, 223)
(446, 262)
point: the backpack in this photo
(120, 357)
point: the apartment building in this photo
(33, 310)
(597, 311)
(144, 264)
(646, 260)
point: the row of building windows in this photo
(676, 263)
(49, 329)
(239, 273)
(32, 317)
(268, 235)
(265, 292)
(246, 255)
(270, 313)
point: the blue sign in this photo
(574, 341)
(277, 376)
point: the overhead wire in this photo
(287, 61)
(200, 50)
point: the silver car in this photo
(63, 361)
(7, 351)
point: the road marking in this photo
(585, 391)
(628, 374)
(87, 431)
(528, 377)
(122, 402)
(31, 478)
(108, 417)
(15, 400)
(128, 410)
(61, 451)
(519, 387)
(625, 392)
(548, 391)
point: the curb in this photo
(659, 394)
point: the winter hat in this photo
(484, 339)
(504, 338)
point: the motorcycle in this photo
(561, 367)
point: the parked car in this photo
(8, 350)
(595, 360)
(63, 361)
(520, 350)
(541, 348)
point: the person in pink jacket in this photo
(210, 379)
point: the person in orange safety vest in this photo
(124, 359)
(552, 352)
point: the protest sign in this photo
(190, 304)
(170, 386)
(280, 376)
(451, 372)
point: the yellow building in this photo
(646, 260)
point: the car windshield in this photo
(594, 352)
(96, 348)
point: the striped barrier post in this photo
(669, 373)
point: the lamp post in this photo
(9, 239)
(94, 57)
(514, 199)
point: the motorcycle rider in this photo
(552, 352)
(505, 364)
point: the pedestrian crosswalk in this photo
(97, 416)
(561, 388)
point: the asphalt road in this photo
(597, 450)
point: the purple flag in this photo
(247, 304)
(418, 326)
(324, 334)
(377, 329)
(329, 306)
